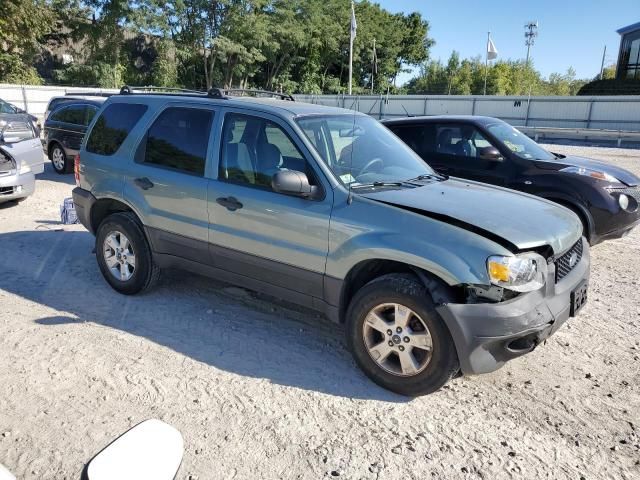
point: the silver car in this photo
(21, 159)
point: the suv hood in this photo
(624, 176)
(520, 220)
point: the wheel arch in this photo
(368, 270)
(104, 207)
(580, 210)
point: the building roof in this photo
(628, 29)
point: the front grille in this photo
(563, 264)
(6, 190)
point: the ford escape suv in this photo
(327, 208)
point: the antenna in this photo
(530, 33)
(353, 145)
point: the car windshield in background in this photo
(519, 143)
(360, 151)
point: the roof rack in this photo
(225, 92)
(88, 94)
(218, 93)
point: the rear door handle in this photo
(230, 203)
(144, 183)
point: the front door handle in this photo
(144, 183)
(230, 203)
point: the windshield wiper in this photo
(428, 176)
(380, 184)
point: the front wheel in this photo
(124, 255)
(398, 338)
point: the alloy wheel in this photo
(119, 255)
(57, 158)
(397, 339)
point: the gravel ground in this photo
(262, 390)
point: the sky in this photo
(571, 33)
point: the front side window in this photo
(460, 141)
(518, 142)
(5, 107)
(359, 150)
(254, 149)
(113, 126)
(178, 139)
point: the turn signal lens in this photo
(498, 271)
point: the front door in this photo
(254, 231)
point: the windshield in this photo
(519, 143)
(361, 151)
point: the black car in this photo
(64, 130)
(488, 150)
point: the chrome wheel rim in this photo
(57, 157)
(397, 339)
(119, 256)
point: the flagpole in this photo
(351, 49)
(373, 64)
(486, 63)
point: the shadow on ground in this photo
(214, 323)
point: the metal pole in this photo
(373, 64)
(486, 63)
(350, 62)
(602, 65)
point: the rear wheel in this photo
(398, 338)
(59, 160)
(124, 255)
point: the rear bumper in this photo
(488, 335)
(16, 186)
(83, 200)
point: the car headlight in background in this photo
(520, 273)
(24, 169)
(587, 172)
(626, 202)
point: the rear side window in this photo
(178, 139)
(421, 138)
(113, 126)
(74, 114)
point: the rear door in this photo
(254, 231)
(68, 125)
(168, 180)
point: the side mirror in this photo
(292, 182)
(490, 153)
(151, 449)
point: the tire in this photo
(124, 275)
(437, 366)
(59, 160)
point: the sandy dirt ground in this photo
(262, 390)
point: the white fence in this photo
(597, 113)
(608, 113)
(34, 99)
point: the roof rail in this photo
(218, 93)
(88, 94)
(225, 92)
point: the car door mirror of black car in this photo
(490, 153)
(292, 182)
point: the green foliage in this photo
(505, 77)
(14, 70)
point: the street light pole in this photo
(530, 33)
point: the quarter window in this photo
(178, 139)
(113, 126)
(73, 114)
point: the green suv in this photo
(326, 208)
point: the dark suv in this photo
(64, 130)
(604, 197)
(326, 208)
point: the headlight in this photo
(24, 169)
(520, 273)
(587, 172)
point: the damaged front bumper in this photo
(487, 335)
